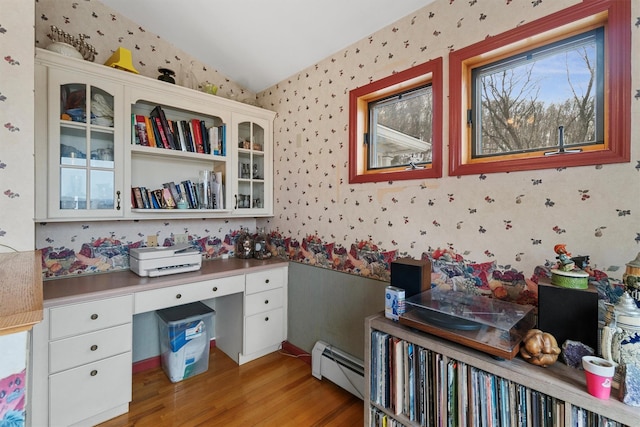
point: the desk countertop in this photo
(102, 285)
(20, 291)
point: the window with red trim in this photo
(395, 126)
(551, 93)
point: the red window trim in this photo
(434, 170)
(618, 95)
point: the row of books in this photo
(172, 194)
(583, 418)
(425, 388)
(192, 135)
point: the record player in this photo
(490, 325)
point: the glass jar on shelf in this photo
(260, 245)
(244, 244)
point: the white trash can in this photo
(185, 335)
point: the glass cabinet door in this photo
(84, 152)
(251, 166)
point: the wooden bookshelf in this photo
(559, 381)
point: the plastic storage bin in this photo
(185, 334)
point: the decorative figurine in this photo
(566, 274)
(539, 348)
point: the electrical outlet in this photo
(152, 240)
(180, 238)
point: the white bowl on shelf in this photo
(65, 49)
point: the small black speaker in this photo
(569, 314)
(412, 275)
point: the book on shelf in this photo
(188, 136)
(194, 126)
(181, 137)
(137, 198)
(141, 130)
(157, 195)
(214, 140)
(159, 113)
(161, 132)
(145, 198)
(134, 131)
(191, 192)
(167, 197)
(153, 199)
(222, 135)
(173, 190)
(150, 133)
(205, 137)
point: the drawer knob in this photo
(94, 373)
(266, 301)
(94, 316)
(266, 319)
(178, 296)
(215, 289)
(94, 347)
(266, 281)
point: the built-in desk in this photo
(81, 352)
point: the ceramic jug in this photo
(621, 336)
(631, 279)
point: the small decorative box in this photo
(394, 304)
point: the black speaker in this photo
(412, 275)
(569, 314)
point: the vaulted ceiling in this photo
(258, 43)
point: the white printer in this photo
(162, 260)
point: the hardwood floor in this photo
(274, 390)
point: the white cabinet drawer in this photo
(184, 294)
(265, 280)
(75, 351)
(91, 316)
(83, 392)
(263, 330)
(263, 301)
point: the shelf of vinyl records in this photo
(416, 379)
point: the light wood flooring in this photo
(274, 390)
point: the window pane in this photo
(524, 100)
(400, 129)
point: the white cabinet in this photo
(89, 159)
(265, 319)
(253, 166)
(82, 167)
(81, 353)
(183, 294)
(81, 369)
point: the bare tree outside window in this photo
(522, 102)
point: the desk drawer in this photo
(76, 319)
(80, 393)
(265, 280)
(263, 330)
(184, 294)
(75, 351)
(263, 301)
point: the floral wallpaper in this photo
(17, 130)
(510, 220)
(513, 219)
(106, 30)
(17, 184)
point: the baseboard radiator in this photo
(338, 367)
